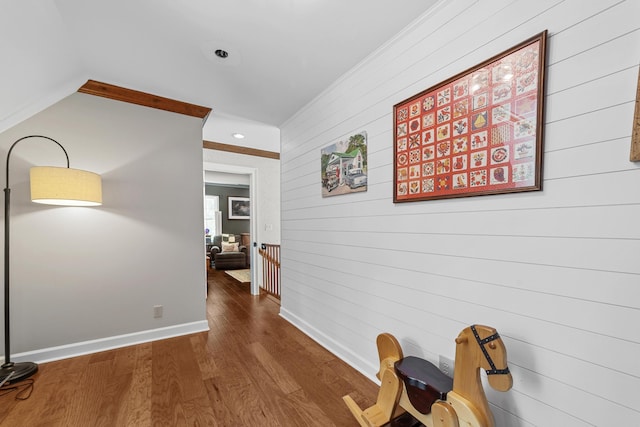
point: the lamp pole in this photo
(10, 371)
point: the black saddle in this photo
(424, 382)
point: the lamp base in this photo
(20, 370)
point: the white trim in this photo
(343, 353)
(94, 346)
(255, 286)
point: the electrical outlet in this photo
(446, 366)
(157, 311)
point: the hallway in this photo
(272, 373)
(251, 369)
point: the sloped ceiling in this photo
(282, 53)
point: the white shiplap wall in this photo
(555, 271)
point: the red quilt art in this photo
(477, 133)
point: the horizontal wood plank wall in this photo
(557, 272)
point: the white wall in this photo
(86, 274)
(556, 271)
(220, 127)
(226, 178)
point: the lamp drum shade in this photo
(65, 186)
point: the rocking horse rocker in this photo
(417, 386)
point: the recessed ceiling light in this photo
(237, 135)
(220, 53)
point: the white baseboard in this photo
(352, 359)
(103, 344)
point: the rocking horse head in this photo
(486, 349)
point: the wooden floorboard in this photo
(251, 369)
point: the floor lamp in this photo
(54, 186)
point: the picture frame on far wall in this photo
(239, 208)
(477, 133)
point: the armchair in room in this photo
(228, 255)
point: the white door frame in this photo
(253, 219)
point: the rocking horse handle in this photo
(463, 340)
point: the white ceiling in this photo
(283, 53)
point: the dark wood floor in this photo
(251, 369)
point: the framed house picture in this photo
(343, 166)
(239, 208)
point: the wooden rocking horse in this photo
(417, 386)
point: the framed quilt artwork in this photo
(635, 133)
(477, 133)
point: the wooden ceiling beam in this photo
(131, 96)
(240, 150)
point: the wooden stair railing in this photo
(270, 268)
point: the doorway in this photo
(251, 174)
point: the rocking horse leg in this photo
(444, 415)
(355, 410)
(386, 406)
(383, 410)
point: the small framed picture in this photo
(239, 208)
